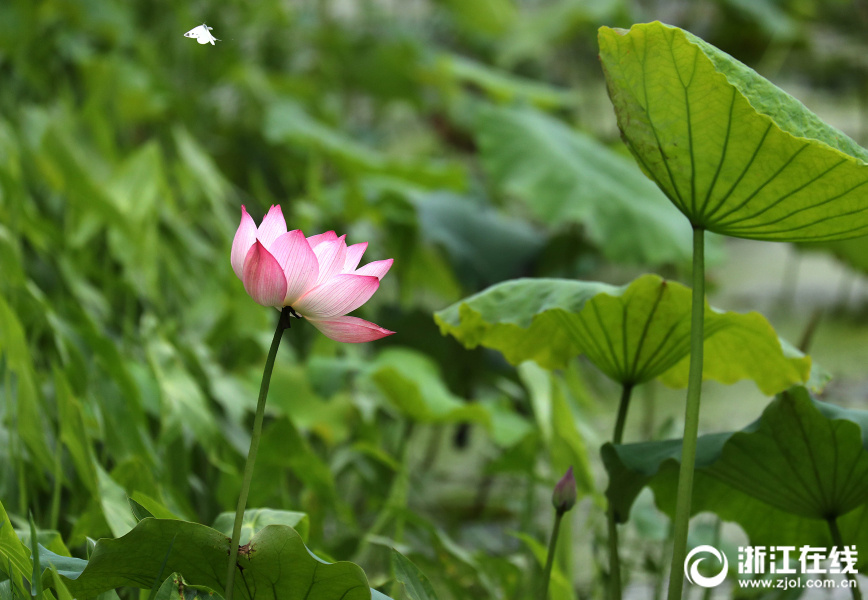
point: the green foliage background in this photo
(471, 141)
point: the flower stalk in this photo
(691, 419)
(563, 499)
(282, 323)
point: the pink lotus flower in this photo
(316, 276)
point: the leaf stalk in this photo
(691, 419)
(550, 559)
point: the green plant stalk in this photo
(839, 542)
(282, 323)
(614, 557)
(550, 559)
(691, 419)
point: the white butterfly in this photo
(202, 34)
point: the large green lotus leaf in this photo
(633, 333)
(779, 478)
(566, 176)
(736, 155)
(275, 564)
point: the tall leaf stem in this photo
(691, 419)
(839, 542)
(282, 323)
(550, 559)
(614, 557)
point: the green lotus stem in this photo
(550, 559)
(626, 392)
(839, 542)
(691, 419)
(614, 557)
(282, 323)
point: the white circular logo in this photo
(692, 570)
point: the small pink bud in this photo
(564, 496)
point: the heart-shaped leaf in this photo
(734, 153)
(781, 478)
(633, 333)
(275, 564)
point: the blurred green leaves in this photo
(462, 139)
(566, 176)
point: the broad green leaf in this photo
(769, 15)
(14, 554)
(780, 477)
(737, 155)
(59, 587)
(288, 121)
(283, 447)
(65, 565)
(113, 500)
(485, 17)
(47, 538)
(412, 383)
(484, 245)
(73, 432)
(564, 175)
(416, 585)
(176, 588)
(155, 508)
(183, 406)
(28, 422)
(139, 511)
(501, 86)
(256, 519)
(275, 563)
(208, 177)
(633, 333)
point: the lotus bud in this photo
(564, 496)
